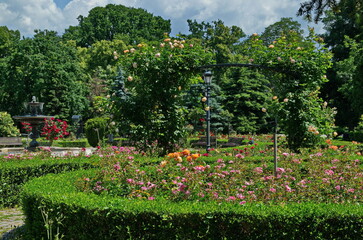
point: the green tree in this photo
(216, 36)
(317, 7)
(117, 22)
(8, 39)
(47, 68)
(300, 69)
(282, 28)
(246, 93)
(350, 75)
(152, 95)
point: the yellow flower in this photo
(271, 46)
(204, 99)
(274, 97)
(264, 110)
(130, 78)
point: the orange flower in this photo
(195, 156)
(167, 40)
(189, 158)
(173, 155)
(334, 147)
(328, 141)
(186, 152)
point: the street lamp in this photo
(208, 80)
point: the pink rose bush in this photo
(186, 176)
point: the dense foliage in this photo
(7, 128)
(74, 73)
(117, 22)
(151, 98)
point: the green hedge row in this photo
(80, 144)
(77, 215)
(14, 173)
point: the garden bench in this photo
(202, 142)
(10, 141)
(233, 142)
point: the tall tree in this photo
(48, 69)
(246, 93)
(342, 22)
(282, 28)
(316, 7)
(216, 36)
(114, 21)
(8, 39)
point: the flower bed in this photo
(315, 195)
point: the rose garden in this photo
(138, 171)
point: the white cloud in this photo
(26, 16)
(250, 15)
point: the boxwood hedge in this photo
(53, 203)
(14, 173)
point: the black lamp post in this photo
(208, 80)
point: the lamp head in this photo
(208, 77)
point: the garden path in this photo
(10, 218)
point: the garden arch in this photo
(224, 65)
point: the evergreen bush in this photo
(95, 129)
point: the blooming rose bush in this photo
(296, 69)
(156, 77)
(54, 129)
(329, 175)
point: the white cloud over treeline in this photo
(251, 15)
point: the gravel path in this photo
(9, 220)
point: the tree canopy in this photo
(132, 25)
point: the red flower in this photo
(54, 129)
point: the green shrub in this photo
(13, 174)
(80, 215)
(80, 144)
(95, 130)
(7, 128)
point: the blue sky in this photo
(61, 3)
(251, 15)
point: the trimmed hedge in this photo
(80, 144)
(80, 215)
(14, 173)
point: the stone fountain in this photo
(34, 116)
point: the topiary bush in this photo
(7, 128)
(95, 129)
